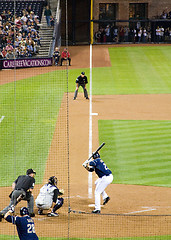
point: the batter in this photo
(105, 178)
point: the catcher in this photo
(48, 198)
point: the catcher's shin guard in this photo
(59, 204)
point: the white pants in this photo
(101, 184)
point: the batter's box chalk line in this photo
(93, 205)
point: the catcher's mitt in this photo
(61, 191)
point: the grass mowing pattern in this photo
(38, 101)
(138, 152)
(134, 70)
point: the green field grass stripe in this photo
(31, 112)
(138, 152)
(134, 70)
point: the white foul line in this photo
(90, 126)
(145, 210)
(1, 119)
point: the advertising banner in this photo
(24, 63)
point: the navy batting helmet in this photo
(96, 155)
(24, 211)
(53, 180)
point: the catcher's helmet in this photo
(53, 180)
(24, 211)
(96, 155)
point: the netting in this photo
(42, 128)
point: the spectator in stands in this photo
(161, 34)
(47, 14)
(4, 52)
(108, 33)
(4, 16)
(140, 34)
(52, 21)
(169, 15)
(29, 9)
(97, 36)
(36, 23)
(18, 22)
(126, 35)
(167, 33)
(9, 47)
(24, 18)
(16, 43)
(157, 34)
(30, 50)
(121, 34)
(65, 56)
(25, 27)
(9, 54)
(149, 34)
(1, 55)
(164, 14)
(37, 39)
(115, 34)
(144, 35)
(56, 56)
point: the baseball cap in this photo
(29, 171)
(83, 73)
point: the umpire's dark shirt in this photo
(24, 182)
(81, 80)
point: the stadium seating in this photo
(18, 6)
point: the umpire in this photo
(81, 81)
(22, 190)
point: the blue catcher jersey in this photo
(25, 227)
(100, 167)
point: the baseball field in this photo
(41, 127)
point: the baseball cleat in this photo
(96, 211)
(106, 200)
(1, 216)
(40, 212)
(74, 98)
(87, 98)
(52, 214)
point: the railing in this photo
(56, 39)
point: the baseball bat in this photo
(88, 160)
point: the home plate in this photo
(93, 206)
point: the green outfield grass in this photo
(138, 152)
(135, 70)
(26, 131)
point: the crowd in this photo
(19, 36)
(165, 14)
(136, 35)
